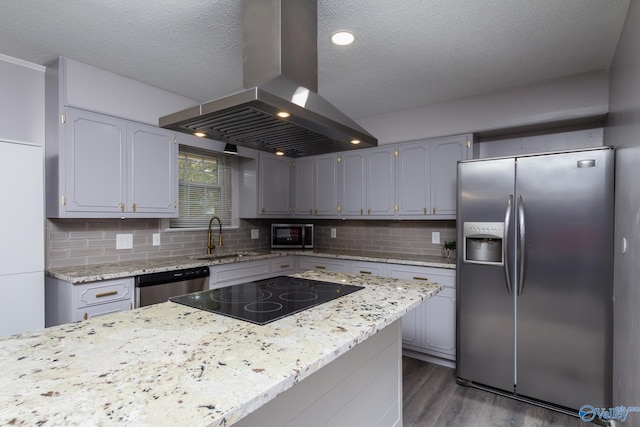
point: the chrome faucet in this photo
(210, 245)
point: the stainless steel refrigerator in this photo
(535, 276)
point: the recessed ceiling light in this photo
(283, 114)
(342, 38)
(200, 134)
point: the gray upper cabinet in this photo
(326, 188)
(381, 166)
(152, 170)
(427, 176)
(274, 185)
(113, 168)
(353, 183)
(99, 165)
(367, 183)
(414, 180)
(303, 187)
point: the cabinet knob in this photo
(361, 211)
(369, 211)
(122, 207)
(310, 211)
(316, 212)
(86, 316)
(134, 207)
(263, 210)
(425, 211)
(434, 211)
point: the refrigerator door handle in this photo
(505, 244)
(521, 244)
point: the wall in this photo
(622, 132)
(569, 98)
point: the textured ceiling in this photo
(407, 53)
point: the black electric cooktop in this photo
(267, 300)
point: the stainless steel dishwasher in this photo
(155, 288)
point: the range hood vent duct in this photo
(280, 74)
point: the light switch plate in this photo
(156, 239)
(333, 233)
(124, 241)
(255, 233)
(435, 237)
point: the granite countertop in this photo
(169, 364)
(92, 273)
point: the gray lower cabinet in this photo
(431, 328)
(101, 166)
(240, 272)
(66, 302)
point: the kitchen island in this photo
(169, 364)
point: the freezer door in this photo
(564, 307)
(485, 307)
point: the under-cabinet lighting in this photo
(279, 153)
(355, 141)
(200, 134)
(283, 114)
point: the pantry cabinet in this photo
(113, 168)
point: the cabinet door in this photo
(352, 183)
(94, 163)
(413, 179)
(22, 227)
(274, 184)
(303, 183)
(411, 327)
(326, 185)
(153, 160)
(445, 154)
(439, 324)
(381, 182)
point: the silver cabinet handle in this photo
(505, 243)
(521, 244)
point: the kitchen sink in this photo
(223, 256)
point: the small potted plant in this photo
(449, 249)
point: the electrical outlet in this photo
(333, 233)
(156, 239)
(255, 233)
(124, 241)
(435, 237)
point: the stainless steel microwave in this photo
(293, 236)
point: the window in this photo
(204, 187)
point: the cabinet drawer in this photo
(443, 276)
(104, 292)
(369, 268)
(318, 263)
(283, 266)
(239, 272)
(102, 310)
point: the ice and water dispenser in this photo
(483, 243)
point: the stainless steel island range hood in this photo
(280, 109)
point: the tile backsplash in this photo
(93, 241)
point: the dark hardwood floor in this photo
(433, 398)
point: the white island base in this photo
(363, 387)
